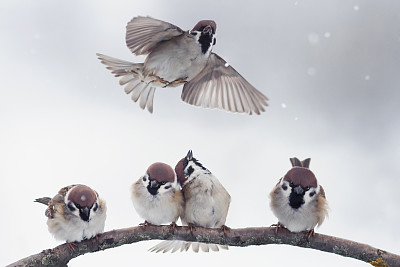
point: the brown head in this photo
(301, 176)
(82, 195)
(161, 172)
(205, 25)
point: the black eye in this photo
(284, 187)
(291, 184)
(71, 206)
(312, 194)
(307, 188)
(163, 183)
(95, 207)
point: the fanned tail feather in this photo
(176, 245)
(131, 77)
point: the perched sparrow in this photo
(75, 213)
(206, 203)
(156, 196)
(298, 200)
(178, 57)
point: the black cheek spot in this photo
(168, 187)
(144, 179)
(284, 187)
(215, 41)
(95, 207)
(312, 194)
(190, 170)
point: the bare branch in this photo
(62, 254)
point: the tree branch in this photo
(62, 254)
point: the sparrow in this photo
(75, 213)
(156, 196)
(176, 57)
(298, 200)
(206, 203)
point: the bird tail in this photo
(176, 245)
(43, 200)
(132, 78)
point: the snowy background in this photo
(331, 70)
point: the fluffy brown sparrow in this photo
(206, 203)
(176, 57)
(75, 213)
(156, 196)
(298, 201)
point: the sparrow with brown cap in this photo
(176, 57)
(75, 213)
(298, 200)
(156, 196)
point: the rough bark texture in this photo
(62, 254)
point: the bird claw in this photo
(72, 246)
(173, 225)
(310, 234)
(191, 227)
(277, 227)
(225, 229)
(145, 223)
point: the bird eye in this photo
(284, 187)
(307, 188)
(163, 183)
(312, 194)
(291, 184)
(71, 206)
(95, 207)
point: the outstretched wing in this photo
(144, 33)
(219, 85)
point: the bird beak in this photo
(298, 190)
(207, 29)
(189, 155)
(153, 184)
(84, 213)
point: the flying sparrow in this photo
(298, 200)
(156, 196)
(176, 57)
(75, 213)
(206, 203)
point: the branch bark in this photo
(62, 254)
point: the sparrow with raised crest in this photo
(298, 200)
(206, 203)
(75, 213)
(156, 196)
(176, 57)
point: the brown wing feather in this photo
(144, 33)
(219, 85)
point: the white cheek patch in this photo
(309, 196)
(288, 188)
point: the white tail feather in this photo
(176, 245)
(131, 77)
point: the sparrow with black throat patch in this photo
(177, 57)
(75, 213)
(298, 200)
(156, 196)
(206, 204)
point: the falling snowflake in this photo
(367, 77)
(327, 34)
(356, 8)
(283, 105)
(313, 38)
(226, 64)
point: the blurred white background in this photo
(330, 69)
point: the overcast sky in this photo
(331, 70)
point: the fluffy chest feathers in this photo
(207, 202)
(178, 58)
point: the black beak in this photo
(153, 184)
(207, 29)
(189, 155)
(298, 190)
(84, 213)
